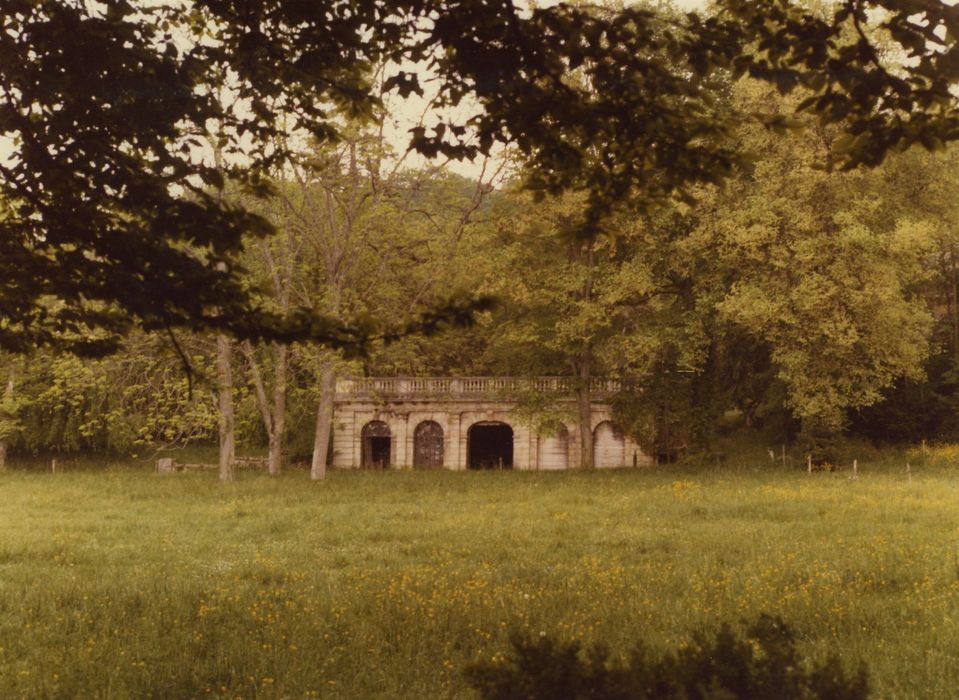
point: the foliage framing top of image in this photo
(111, 216)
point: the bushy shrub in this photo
(761, 665)
(942, 456)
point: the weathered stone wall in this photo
(404, 410)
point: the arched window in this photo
(553, 449)
(428, 445)
(609, 447)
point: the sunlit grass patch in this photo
(122, 582)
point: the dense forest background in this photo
(797, 300)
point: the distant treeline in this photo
(806, 302)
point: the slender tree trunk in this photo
(6, 401)
(324, 419)
(954, 299)
(585, 406)
(278, 431)
(268, 412)
(585, 371)
(224, 372)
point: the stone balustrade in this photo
(494, 387)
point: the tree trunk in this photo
(954, 299)
(274, 417)
(585, 406)
(275, 461)
(224, 371)
(324, 419)
(585, 371)
(7, 400)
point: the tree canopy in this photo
(110, 213)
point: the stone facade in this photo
(468, 422)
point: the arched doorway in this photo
(376, 445)
(609, 447)
(428, 445)
(489, 445)
(553, 449)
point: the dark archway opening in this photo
(490, 446)
(376, 445)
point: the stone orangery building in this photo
(469, 423)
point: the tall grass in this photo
(120, 582)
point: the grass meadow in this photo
(116, 582)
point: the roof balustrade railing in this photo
(468, 386)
